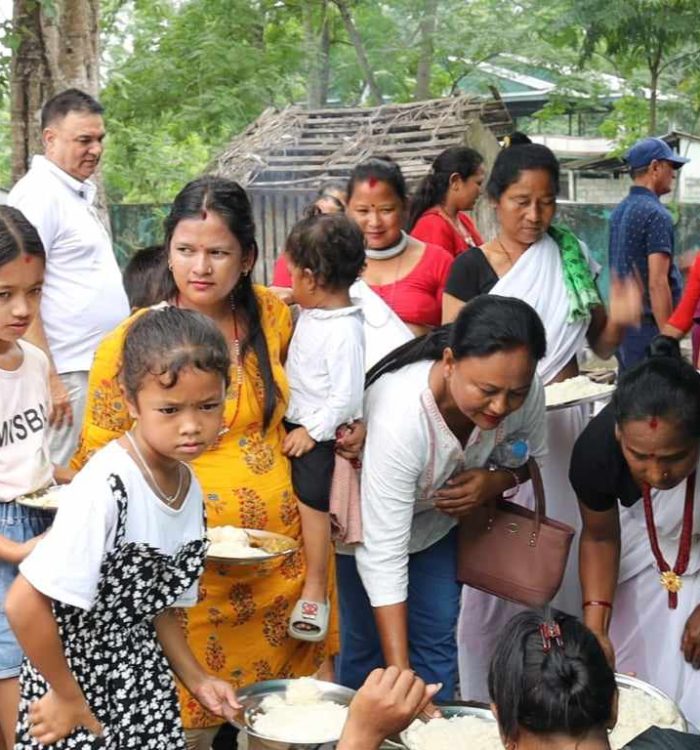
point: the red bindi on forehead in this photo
(27, 258)
(653, 423)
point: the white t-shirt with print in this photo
(65, 565)
(25, 465)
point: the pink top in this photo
(417, 297)
(434, 228)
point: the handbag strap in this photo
(538, 488)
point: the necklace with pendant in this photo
(670, 578)
(169, 500)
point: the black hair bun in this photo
(664, 346)
(516, 139)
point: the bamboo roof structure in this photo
(302, 148)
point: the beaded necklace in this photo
(671, 577)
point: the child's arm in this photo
(14, 552)
(214, 694)
(64, 707)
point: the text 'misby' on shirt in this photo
(25, 465)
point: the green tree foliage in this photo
(652, 41)
(182, 77)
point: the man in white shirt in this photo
(83, 297)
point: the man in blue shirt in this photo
(641, 241)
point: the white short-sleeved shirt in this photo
(410, 452)
(65, 565)
(83, 296)
(326, 370)
(25, 465)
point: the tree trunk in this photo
(428, 24)
(58, 47)
(356, 39)
(317, 48)
(653, 97)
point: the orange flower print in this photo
(252, 508)
(288, 508)
(108, 410)
(215, 616)
(257, 453)
(263, 670)
(214, 505)
(292, 566)
(275, 622)
(181, 617)
(201, 593)
(241, 597)
(197, 714)
(214, 654)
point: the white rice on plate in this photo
(456, 732)
(300, 715)
(637, 711)
(229, 541)
(574, 389)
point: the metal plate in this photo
(459, 708)
(252, 696)
(625, 681)
(293, 546)
(46, 499)
(606, 396)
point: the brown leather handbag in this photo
(513, 552)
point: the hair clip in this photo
(506, 142)
(550, 631)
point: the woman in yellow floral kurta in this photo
(239, 627)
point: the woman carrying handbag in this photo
(436, 409)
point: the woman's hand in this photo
(297, 442)
(386, 704)
(351, 440)
(606, 645)
(690, 641)
(54, 717)
(468, 490)
(626, 301)
(217, 696)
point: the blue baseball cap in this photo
(648, 149)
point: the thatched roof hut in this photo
(285, 155)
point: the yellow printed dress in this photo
(238, 630)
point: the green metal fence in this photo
(135, 226)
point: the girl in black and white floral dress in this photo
(93, 604)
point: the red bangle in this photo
(597, 603)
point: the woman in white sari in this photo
(634, 472)
(551, 270)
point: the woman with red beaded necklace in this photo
(644, 557)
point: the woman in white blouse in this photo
(438, 409)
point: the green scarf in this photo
(580, 284)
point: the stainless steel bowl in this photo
(459, 708)
(626, 682)
(252, 696)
